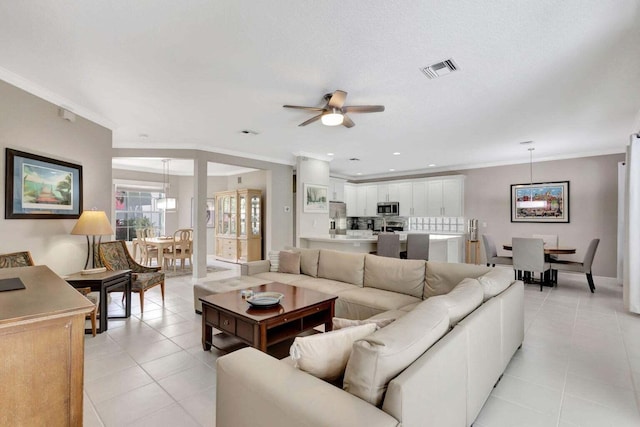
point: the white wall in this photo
(310, 171)
(30, 124)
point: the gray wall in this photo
(30, 124)
(593, 198)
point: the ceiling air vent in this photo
(440, 69)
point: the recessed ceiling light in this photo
(359, 173)
(396, 153)
(431, 165)
(391, 170)
(329, 154)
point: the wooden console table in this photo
(41, 349)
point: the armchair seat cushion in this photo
(142, 281)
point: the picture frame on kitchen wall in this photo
(316, 198)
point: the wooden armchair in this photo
(115, 256)
(24, 259)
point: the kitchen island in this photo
(442, 247)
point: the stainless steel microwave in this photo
(388, 208)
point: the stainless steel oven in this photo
(388, 208)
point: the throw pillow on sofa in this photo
(340, 323)
(289, 262)
(274, 261)
(325, 355)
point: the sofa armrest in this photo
(254, 267)
(254, 388)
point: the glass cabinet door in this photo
(233, 215)
(255, 215)
(243, 214)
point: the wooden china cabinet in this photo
(239, 225)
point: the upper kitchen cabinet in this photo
(336, 190)
(350, 198)
(402, 192)
(419, 205)
(366, 200)
(445, 197)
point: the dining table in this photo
(548, 249)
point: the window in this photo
(137, 209)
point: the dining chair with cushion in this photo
(24, 259)
(492, 253)
(417, 247)
(182, 249)
(528, 257)
(579, 267)
(389, 245)
(115, 256)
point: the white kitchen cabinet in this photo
(350, 198)
(367, 200)
(402, 193)
(444, 197)
(419, 198)
(383, 193)
(336, 190)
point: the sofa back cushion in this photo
(442, 277)
(496, 281)
(462, 300)
(308, 261)
(381, 356)
(405, 276)
(289, 262)
(345, 267)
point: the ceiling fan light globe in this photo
(332, 119)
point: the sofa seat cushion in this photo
(345, 267)
(332, 287)
(389, 314)
(308, 261)
(405, 276)
(362, 303)
(496, 281)
(462, 300)
(442, 277)
(410, 307)
(381, 356)
(325, 355)
(142, 281)
(381, 322)
(270, 276)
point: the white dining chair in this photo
(528, 257)
(579, 267)
(550, 240)
(492, 253)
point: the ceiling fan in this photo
(334, 111)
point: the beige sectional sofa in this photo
(457, 327)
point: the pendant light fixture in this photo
(531, 204)
(166, 203)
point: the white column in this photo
(200, 219)
(631, 267)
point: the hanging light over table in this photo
(166, 203)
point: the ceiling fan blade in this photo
(363, 108)
(304, 108)
(311, 120)
(337, 99)
(347, 122)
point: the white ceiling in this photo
(193, 74)
(182, 167)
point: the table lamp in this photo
(92, 223)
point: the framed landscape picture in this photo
(540, 202)
(38, 187)
(315, 198)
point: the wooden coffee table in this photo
(300, 310)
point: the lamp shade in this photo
(332, 119)
(93, 223)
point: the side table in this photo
(104, 283)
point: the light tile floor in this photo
(579, 364)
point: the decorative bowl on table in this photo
(265, 299)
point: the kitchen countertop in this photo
(371, 238)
